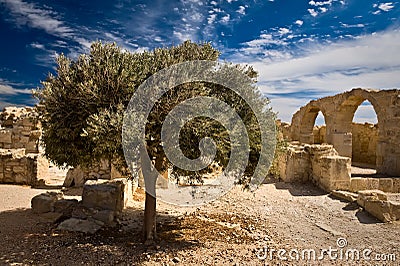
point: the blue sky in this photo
(303, 50)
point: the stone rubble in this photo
(101, 204)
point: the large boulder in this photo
(44, 202)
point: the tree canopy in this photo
(82, 106)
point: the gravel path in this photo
(230, 231)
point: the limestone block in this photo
(379, 208)
(370, 195)
(395, 210)
(74, 177)
(386, 184)
(65, 206)
(357, 184)
(396, 185)
(82, 212)
(44, 202)
(344, 195)
(105, 216)
(78, 225)
(5, 136)
(105, 196)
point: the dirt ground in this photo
(241, 228)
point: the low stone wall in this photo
(319, 164)
(16, 167)
(384, 184)
(364, 143)
(79, 175)
(19, 128)
(101, 204)
(21, 160)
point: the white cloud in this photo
(359, 25)
(37, 46)
(29, 14)
(312, 12)
(6, 88)
(323, 3)
(241, 10)
(323, 9)
(213, 3)
(283, 31)
(368, 61)
(265, 39)
(386, 6)
(299, 22)
(226, 18)
(211, 18)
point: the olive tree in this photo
(82, 110)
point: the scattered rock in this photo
(79, 225)
(105, 216)
(370, 195)
(65, 206)
(44, 202)
(106, 196)
(344, 195)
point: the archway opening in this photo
(364, 136)
(319, 129)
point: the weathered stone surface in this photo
(344, 195)
(78, 225)
(82, 212)
(65, 206)
(75, 177)
(357, 184)
(44, 202)
(50, 217)
(108, 196)
(378, 148)
(395, 210)
(386, 184)
(379, 208)
(370, 195)
(105, 216)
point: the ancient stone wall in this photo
(21, 161)
(364, 143)
(319, 164)
(339, 110)
(19, 128)
(79, 175)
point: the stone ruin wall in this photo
(376, 145)
(104, 170)
(21, 161)
(364, 141)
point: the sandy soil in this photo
(234, 230)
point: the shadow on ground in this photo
(296, 189)
(25, 240)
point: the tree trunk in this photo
(150, 175)
(149, 223)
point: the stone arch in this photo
(341, 136)
(339, 110)
(304, 120)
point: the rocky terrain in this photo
(240, 228)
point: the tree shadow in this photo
(297, 189)
(365, 218)
(25, 240)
